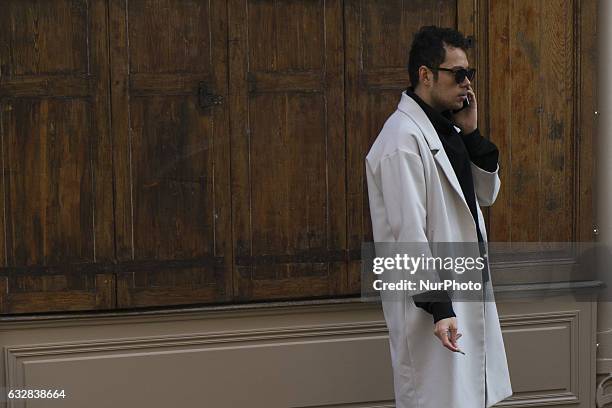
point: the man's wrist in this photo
(442, 310)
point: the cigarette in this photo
(459, 335)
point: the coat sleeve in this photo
(404, 191)
(486, 185)
(405, 198)
(484, 157)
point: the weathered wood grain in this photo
(57, 178)
(288, 166)
(171, 153)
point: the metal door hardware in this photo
(207, 99)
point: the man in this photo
(428, 172)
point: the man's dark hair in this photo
(428, 49)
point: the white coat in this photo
(415, 196)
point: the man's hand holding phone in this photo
(467, 117)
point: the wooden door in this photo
(288, 148)
(56, 228)
(538, 60)
(542, 114)
(171, 151)
(160, 152)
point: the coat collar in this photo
(411, 108)
(441, 121)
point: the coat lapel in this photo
(447, 168)
(408, 106)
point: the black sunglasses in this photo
(460, 73)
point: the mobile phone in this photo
(466, 103)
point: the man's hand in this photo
(467, 119)
(446, 331)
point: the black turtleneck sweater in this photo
(461, 149)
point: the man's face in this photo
(446, 93)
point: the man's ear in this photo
(424, 75)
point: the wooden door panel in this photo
(49, 189)
(172, 169)
(532, 119)
(288, 218)
(57, 231)
(378, 38)
(286, 35)
(288, 165)
(171, 151)
(171, 36)
(35, 31)
(541, 82)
